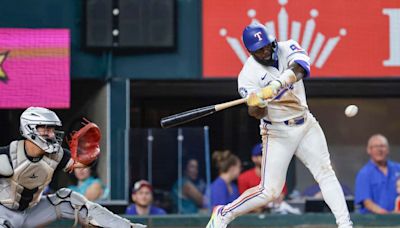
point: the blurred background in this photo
(125, 64)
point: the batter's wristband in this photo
(287, 78)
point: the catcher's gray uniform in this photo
(22, 180)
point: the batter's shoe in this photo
(216, 218)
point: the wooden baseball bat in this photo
(184, 117)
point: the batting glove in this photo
(271, 90)
(255, 100)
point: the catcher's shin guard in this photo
(96, 215)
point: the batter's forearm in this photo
(298, 71)
(292, 75)
(257, 112)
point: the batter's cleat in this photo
(216, 218)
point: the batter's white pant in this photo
(306, 141)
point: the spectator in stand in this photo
(375, 187)
(88, 184)
(142, 197)
(223, 189)
(193, 189)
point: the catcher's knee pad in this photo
(76, 200)
(4, 223)
(96, 214)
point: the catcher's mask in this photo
(39, 125)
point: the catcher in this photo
(27, 166)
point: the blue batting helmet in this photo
(256, 36)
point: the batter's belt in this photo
(291, 122)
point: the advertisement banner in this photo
(34, 68)
(343, 38)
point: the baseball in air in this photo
(351, 110)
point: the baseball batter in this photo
(271, 79)
(26, 168)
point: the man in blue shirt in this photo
(142, 196)
(375, 188)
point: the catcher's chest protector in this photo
(25, 187)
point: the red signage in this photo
(343, 38)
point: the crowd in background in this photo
(376, 188)
(377, 185)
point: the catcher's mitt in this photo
(84, 144)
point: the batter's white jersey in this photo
(290, 102)
(283, 138)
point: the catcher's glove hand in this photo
(84, 144)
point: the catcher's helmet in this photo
(256, 36)
(33, 117)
